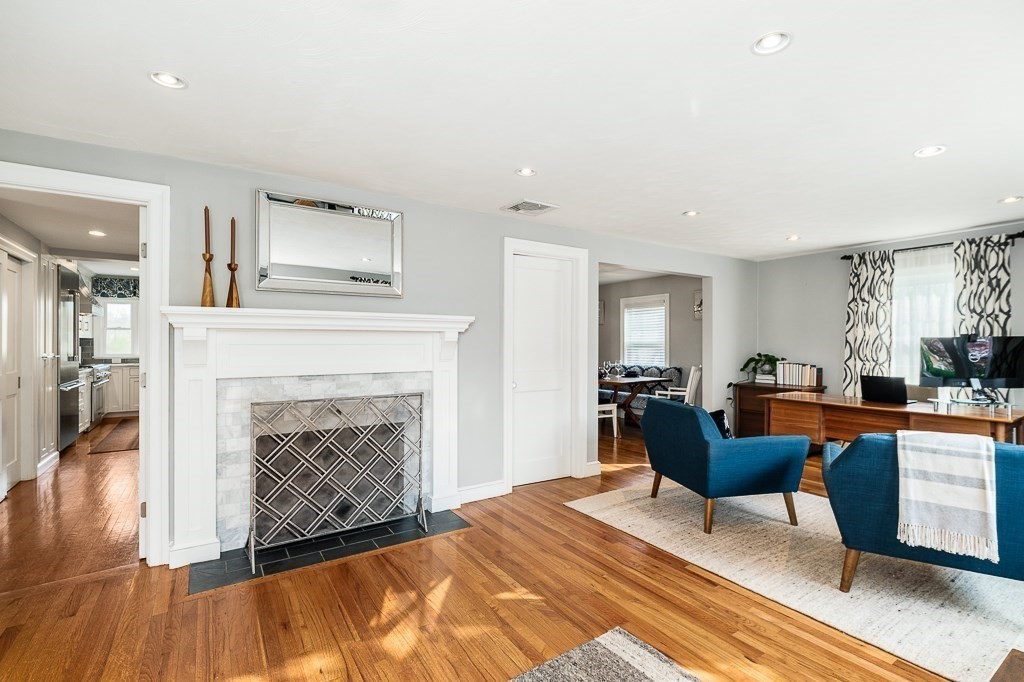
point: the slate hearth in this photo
(233, 566)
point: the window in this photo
(922, 305)
(645, 330)
(116, 332)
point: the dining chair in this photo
(610, 411)
(676, 392)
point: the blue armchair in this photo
(863, 488)
(684, 444)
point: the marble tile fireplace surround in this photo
(224, 360)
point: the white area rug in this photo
(957, 624)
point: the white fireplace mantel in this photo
(220, 343)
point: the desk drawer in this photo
(927, 422)
(796, 419)
(843, 424)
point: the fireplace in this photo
(227, 361)
(334, 464)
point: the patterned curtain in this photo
(982, 282)
(115, 287)
(868, 348)
(982, 272)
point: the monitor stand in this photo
(979, 396)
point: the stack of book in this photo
(798, 374)
(764, 378)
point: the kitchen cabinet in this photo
(123, 390)
(85, 400)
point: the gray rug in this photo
(615, 656)
(960, 625)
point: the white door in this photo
(541, 368)
(10, 359)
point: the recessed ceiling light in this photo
(771, 43)
(367, 260)
(134, 269)
(793, 238)
(168, 80)
(925, 152)
(691, 214)
(97, 233)
(1011, 200)
(526, 172)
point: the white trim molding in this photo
(483, 491)
(222, 343)
(580, 398)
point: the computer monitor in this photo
(971, 360)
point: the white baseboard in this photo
(474, 493)
(47, 463)
(590, 469)
(199, 551)
(436, 504)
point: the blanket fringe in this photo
(944, 540)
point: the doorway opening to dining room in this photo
(651, 342)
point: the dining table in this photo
(634, 385)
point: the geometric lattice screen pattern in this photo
(323, 466)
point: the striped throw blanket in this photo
(948, 493)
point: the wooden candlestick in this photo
(207, 299)
(233, 301)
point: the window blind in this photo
(644, 334)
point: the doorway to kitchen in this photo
(77, 511)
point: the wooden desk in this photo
(748, 401)
(833, 417)
(634, 384)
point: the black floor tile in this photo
(399, 538)
(233, 554)
(300, 548)
(293, 562)
(236, 563)
(368, 534)
(265, 556)
(348, 550)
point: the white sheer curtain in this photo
(923, 304)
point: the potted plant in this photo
(761, 363)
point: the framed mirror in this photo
(327, 247)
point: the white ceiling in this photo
(63, 222)
(631, 112)
(114, 268)
(613, 274)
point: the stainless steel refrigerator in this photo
(68, 303)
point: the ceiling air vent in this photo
(528, 207)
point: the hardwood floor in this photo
(78, 518)
(530, 580)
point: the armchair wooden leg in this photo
(849, 569)
(657, 484)
(709, 514)
(790, 508)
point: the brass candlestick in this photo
(207, 300)
(233, 301)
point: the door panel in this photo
(541, 300)
(10, 362)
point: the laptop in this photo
(884, 390)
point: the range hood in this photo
(89, 305)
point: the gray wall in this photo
(453, 265)
(685, 333)
(802, 302)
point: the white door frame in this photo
(579, 260)
(27, 326)
(154, 202)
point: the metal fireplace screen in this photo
(323, 466)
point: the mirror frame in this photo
(265, 279)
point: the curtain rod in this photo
(1013, 237)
